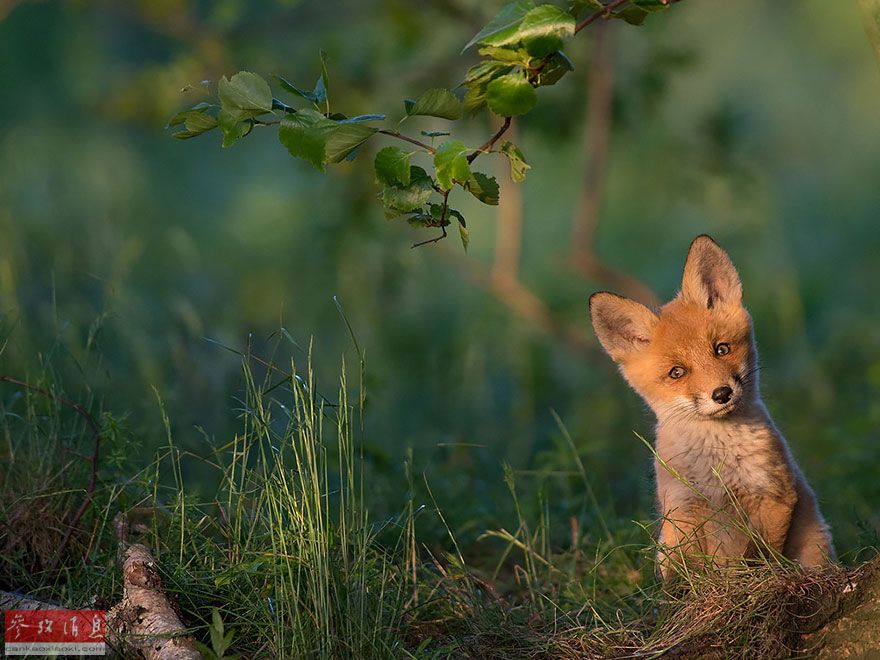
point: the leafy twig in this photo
(599, 13)
(487, 146)
(406, 138)
(443, 222)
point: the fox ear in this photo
(709, 275)
(623, 326)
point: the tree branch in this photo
(605, 12)
(442, 224)
(406, 138)
(597, 137)
(436, 239)
(93, 459)
(526, 304)
(488, 144)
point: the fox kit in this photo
(725, 476)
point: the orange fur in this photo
(727, 485)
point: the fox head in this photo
(695, 357)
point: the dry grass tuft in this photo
(30, 532)
(764, 611)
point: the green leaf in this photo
(544, 29)
(206, 652)
(293, 89)
(216, 630)
(557, 66)
(246, 92)
(540, 29)
(343, 138)
(319, 94)
(436, 103)
(422, 219)
(651, 5)
(486, 71)
(499, 30)
(436, 215)
(506, 55)
(242, 97)
(304, 137)
(518, 164)
(474, 99)
(199, 122)
(310, 135)
(232, 127)
(451, 164)
(181, 116)
(359, 118)
(483, 187)
(403, 199)
(323, 81)
(320, 91)
(511, 95)
(577, 6)
(632, 15)
(476, 80)
(392, 167)
(196, 121)
(465, 236)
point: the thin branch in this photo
(383, 131)
(93, 459)
(442, 224)
(436, 239)
(488, 144)
(401, 136)
(605, 12)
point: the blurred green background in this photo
(122, 250)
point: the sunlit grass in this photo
(285, 551)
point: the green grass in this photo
(284, 557)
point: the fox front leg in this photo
(680, 541)
(770, 519)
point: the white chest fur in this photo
(719, 457)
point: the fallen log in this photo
(144, 620)
(10, 600)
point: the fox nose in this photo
(722, 394)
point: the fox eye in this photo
(676, 372)
(722, 349)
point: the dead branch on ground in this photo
(145, 620)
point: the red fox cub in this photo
(727, 485)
